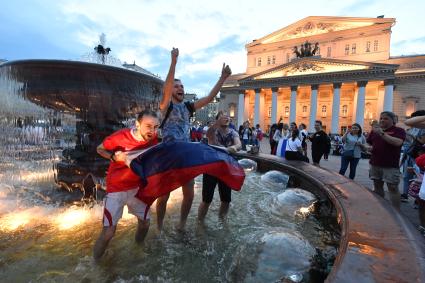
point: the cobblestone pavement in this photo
(408, 209)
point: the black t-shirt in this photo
(319, 141)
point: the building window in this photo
(287, 57)
(375, 45)
(268, 60)
(304, 109)
(410, 107)
(368, 46)
(329, 52)
(324, 111)
(347, 49)
(273, 59)
(344, 110)
(259, 62)
(353, 48)
(269, 113)
(286, 111)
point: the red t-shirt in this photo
(119, 176)
(384, 154)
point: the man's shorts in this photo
(114, 204)
(388, 175)
(208, 187)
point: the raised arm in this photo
(169, 81)
(416, 122)
(225, 73)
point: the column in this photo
(335, 108)
(388, 96)
(313, 108)
(246, 108)
(274, 105)
(293, 104)
(241, 107)
(257, 107)
(360, 103)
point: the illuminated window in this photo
(375, 45)
(304, 109)
(368, 46)
(324, 111)
(329, 52)
(269, 113)
(232, 108)
(353, 48)
(347, 49)
(273, 59)
(268, 60)
(410, 107)
(259, 62)
(286, 111)
(344, 110)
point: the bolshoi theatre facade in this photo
(334, 69)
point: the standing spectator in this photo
(246, 134)
(272, 142)
(281, 145)
(352, 139)
(303, 137)
(386, 140)
(327, 148)
(258, 134)
(254, 140)
(319, 143)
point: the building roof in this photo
(315, 25)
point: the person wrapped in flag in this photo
(122, 184)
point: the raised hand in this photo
(225, 71)
(174, 54)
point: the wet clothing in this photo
(319, 145)
(208, 187)
(177, 124)
(225, 139)
(114, 204)
(119, 176)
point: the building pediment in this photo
(317, 66)
(310, 26)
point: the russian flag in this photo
(167, 166)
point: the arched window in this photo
(232, 108)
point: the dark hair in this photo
(295, 133)
(418, 113)
(280, 126)
(318, 122)
(303, 125)
(218, 115)
(390, 114)
(360, 129)
(177, 80)
(146, 112)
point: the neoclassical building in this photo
(350, 78)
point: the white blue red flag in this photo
(167, 166)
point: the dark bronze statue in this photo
(306, 50)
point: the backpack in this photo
(189, 105)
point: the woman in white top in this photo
(353, 141)
(283, 136)
(294, 150)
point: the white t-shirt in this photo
(293, 145)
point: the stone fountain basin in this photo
(377, 243)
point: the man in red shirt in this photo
(121, 183)
(386, 140)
